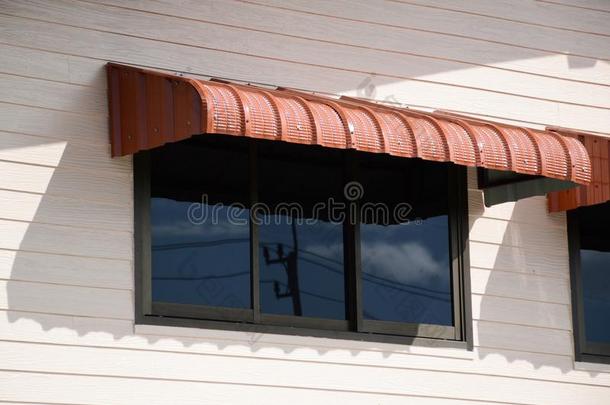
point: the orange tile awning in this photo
(598, 191)
(149, 109)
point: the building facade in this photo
(69, 333)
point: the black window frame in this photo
(585, 351)
(354, 327)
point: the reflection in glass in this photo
(594, 223)
(406, 272)
(301, 268)
(199, 264)
(201, 256)
(595, 273)
(301, 260)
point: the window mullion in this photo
(458, 219)
(578, 313)
(357, 274)
(254, 260)
(353, 272)
(143, 259)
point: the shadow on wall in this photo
(69, 251)
(520, 284)
(79, 291)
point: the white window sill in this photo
(586, 366)
(291, 342)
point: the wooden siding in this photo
(67, 334)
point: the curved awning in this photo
(598, 191)
(149, 109)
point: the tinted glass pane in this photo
(595, 271)
(301, 252)
(405, 248)
(200, 241)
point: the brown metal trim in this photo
(207, 107)
(137, 96)
(446, 113)
(384, 141)
(407, 124)
(114, 110)
(428, 117)
(512, 158)
(539, 152)
(382, 135)
(281, 115)
(471, 134)
(397, 112)
(566, 150)
(350, 140)
(527, 131)
(347, 125)
(594, 149)
(314, 123)
(244, 108)
(577, 151)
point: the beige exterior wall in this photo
(67, 334)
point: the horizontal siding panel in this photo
(119, 334)
(66, 300)
(509, 233)
(522, 338)
(46, 151)
(111, 333)
(288, 343)
(457, 24)
(537, 365)
(200, 368)
(519, 285)
(520, 312)
(91, 129)
(31, 149)
(61, 269)
(599, 5)
(24, 403)
(93, 390)
(22, 177)
(338, 56)
(43, 238)
(217, 63)
(151, 53)
(64, 211)
(403, 42)
(529, 11)
(52, 95)
(52, 66)
(529, 210)
(110, 188)
(528, 259)
(73, 330)
(66, 204)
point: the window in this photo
(406, 277)
(241, 234)
(590, 277)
